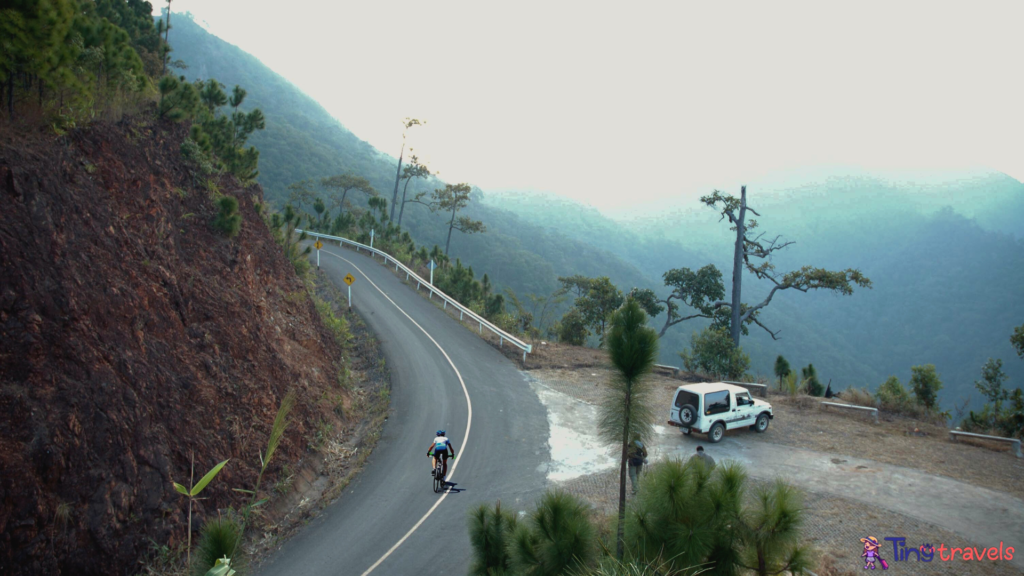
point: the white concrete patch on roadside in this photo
(574, 445)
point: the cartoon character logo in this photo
(870, 554)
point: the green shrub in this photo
(228, 220)
(925, 383)
(200, 161)
(1004, 413)
(712, 352)
(892, 395)
(790, 384)
(495, 305)
(338, 327)
(687, 515)
(218, 538)
(490, 534)
(572, 329)
(782, 369)
(811, 382)
(557, 537)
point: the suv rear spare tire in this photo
(687, 415)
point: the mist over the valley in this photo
(942, 248)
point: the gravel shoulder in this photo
(801, 423)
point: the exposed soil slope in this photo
(132, 334)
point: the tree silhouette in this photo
(342, 184)
(748, 247)
(625, 411)
(406, 124)
(455, 197)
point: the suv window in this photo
(716, 402)
(684, 398)
(744, 399)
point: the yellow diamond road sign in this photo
(319, 244)
(349, 279)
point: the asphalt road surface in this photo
(389, 520)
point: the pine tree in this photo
(782, 369)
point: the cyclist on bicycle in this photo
(441, 448)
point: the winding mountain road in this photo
(389, 521)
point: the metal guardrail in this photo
(1012, 441)
(674, 369)
(420, 282)
(872, 411)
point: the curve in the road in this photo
(436, 364)
(469, 418)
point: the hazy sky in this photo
(619, 103)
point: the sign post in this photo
(349, 279)
(432, 266)
(318, 246)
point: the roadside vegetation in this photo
(687, 519)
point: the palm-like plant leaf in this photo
(280, 423)
(206, 479)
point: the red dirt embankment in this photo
(132, 334)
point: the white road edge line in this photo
(469, 419)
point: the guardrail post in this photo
(481, 327)
(460, 315)
(445, 307)
(501, 340)
(524, 356)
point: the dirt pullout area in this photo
(800, 422)
(834, 516)
(132, 337)
(833, 525)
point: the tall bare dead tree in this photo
(406, 124)
(749, 248)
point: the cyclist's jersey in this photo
(440, 446)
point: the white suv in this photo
(713, 408)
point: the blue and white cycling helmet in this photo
(440, 432)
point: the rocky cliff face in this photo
(132, 335)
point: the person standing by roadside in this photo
(637, 455)
(705, 458)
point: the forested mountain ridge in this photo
(944, 283)
(302, 141)
(917, 312)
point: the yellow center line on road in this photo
(469, 419)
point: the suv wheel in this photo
(762, 423)
(687, 415)
(716, 433)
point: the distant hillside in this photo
(302, 141)
(944, 284)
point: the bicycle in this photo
(438, 479)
